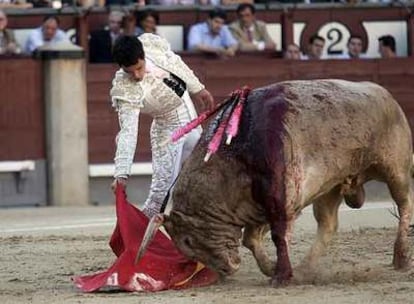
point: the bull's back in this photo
(337, 113)
(332, 129)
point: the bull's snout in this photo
(234, 262)
(232, 265)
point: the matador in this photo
(152, 79)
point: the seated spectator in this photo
(41, 3)
(354, 48)
(212, 36)
(8, 44)
(251, 34)
(146, 22)
(292, 52)
(386, 46)
(102, 41)
(15, 4)
(231, 2)
(90, 3)
(209, 2)
(172, 2)
(315, 47)
(47, 33)
(118, 2)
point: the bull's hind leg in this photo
(253, 240)
(401, 192)
(325, 210)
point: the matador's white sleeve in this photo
(127, 97)
(158, 50)
(126, 140)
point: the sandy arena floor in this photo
(42, 248)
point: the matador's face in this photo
(136, 71)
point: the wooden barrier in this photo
(22, 112)
(22, 123)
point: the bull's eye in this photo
(187, 241)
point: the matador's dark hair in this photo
(127, 51)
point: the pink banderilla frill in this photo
(177, 134)
(234, 121)
(216, 140)
(230, 123)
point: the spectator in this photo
(386, 46)
(233, 2)
(292, 52)
(146, 22)
(48, 33)
(354, 46)
(209, 2)
(315, 47)
(212, 36)
(102, 41)
(109, 3)
(172, 2)
(15, 4)
(89, 3)
(251, 34)
(40, 3)
(8, 44)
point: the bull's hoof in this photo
(267, 267)
(281, 280)
(304, 273)
(401, 262)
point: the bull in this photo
(299, 143)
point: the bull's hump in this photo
(310, 93)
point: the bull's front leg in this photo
(281, 229)
(281, 222)
(253, 240)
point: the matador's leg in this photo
(167, 159)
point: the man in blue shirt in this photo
(48, 33)
(213, 36)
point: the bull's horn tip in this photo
(229, 138)
(207, 157)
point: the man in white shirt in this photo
(354, 48)
(315, 48)
(154, 80)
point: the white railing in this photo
(103, 170)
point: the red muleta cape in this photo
(162, 266)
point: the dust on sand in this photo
(357, 269)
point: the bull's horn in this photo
(155, 223)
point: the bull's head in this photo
(212, 202)
(215, 245)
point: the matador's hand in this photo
(120, 180)
(204, 99)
